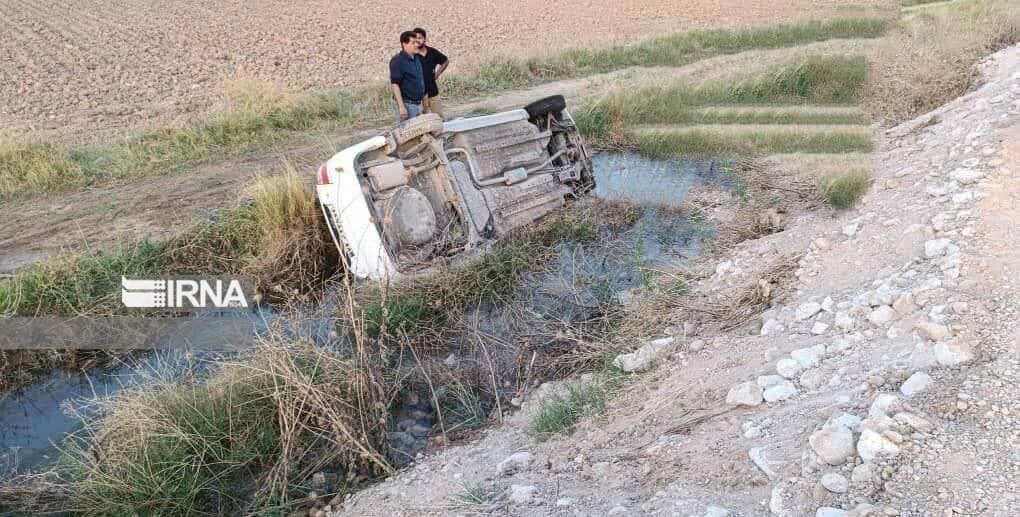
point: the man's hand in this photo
(403, 112)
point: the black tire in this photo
(427, 124)
(554, 104)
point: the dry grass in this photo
(739, 305)
(249, 436)
(929, 60)
(245, 91)
(278, 238)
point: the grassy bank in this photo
(260, 113)
(810, 100)
(929, 58)
(675, 50)
(701, 143)
(277, 238)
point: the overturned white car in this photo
(429, 189)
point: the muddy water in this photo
(579, 283)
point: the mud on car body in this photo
(430, 190)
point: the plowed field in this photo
(82, 68)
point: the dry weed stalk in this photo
(737, 306)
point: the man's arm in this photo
(443, 62)
(395, 77)
(400, 101)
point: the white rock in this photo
(828, 511)
(864, 474)
(843, 321)
(807, 310)
(913, 421)
(844, 421)
(812, 379)
(904, 305)
(922, 356)
(779, 504)
(772, 326)
(522, 494)
(919, 382)
(878, 423)
(963, 197)
(882, 315)
(645, 357)
(780, 392)
(835, 483)
(936, 247)
(959, 307)
(819, 328)
(808, 357)
(832, 445)
(766, 381)
(932, 331)
(788, 368)
(744, 394)
(872, 446)
(884, 405)
(952, 354)
(516, 462)
(717, 511)
(827, 304)
(757, 455)
(851, 229)
(564, 501)
(966, 176)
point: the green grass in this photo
(257, 239)
(765, 115)
(675, 50)
(32, 167)
(262, 116)
(908, 3)
(87, 284)
(700, 143)
(480, 494)
(215, 445)
(815, 81)
(203, 442)
(560, 412)
(844, 190)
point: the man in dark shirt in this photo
(407, 78)
(433, 63)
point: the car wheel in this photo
(553, 104)
(427, 124)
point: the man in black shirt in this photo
(433, 63)
(407, 78)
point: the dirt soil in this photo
(886, 384)
(83, 68)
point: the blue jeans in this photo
(413, 110)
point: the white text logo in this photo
(183, 293)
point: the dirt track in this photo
(82, 68)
